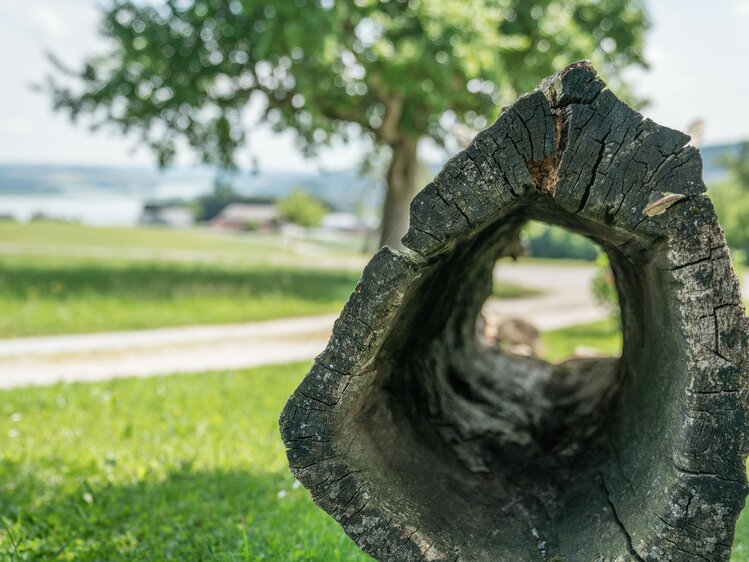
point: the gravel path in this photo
(91, 357)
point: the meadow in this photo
(57, 278)
(186, 467)
(50, 295)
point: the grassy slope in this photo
(173, 468)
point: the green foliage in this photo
(603, 285)
(186, 70)
(178, 468)
(731, 201)
(740, 551)
(300, 207)
(548, 241)
(738, 166)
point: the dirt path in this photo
(566, 299)
(90, 357)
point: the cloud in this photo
(742, 8)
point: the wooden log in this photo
(426, 445)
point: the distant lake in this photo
(95, 208)
(94, 195)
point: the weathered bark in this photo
(401, 187)
(426, 445)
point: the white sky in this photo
(698, 53)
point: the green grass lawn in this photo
(604, 337)
(41, 295)
(181, 468)
(741, 540)
(503, 290)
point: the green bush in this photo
(731, 203)
(299, 207)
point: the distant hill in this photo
(344, 190)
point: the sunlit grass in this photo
(603, 337)
(503, 290)
(189, 467)
(40, 295)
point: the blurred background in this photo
(189, 190)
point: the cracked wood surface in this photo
(426, 445)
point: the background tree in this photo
(391, 71)
(299, 207)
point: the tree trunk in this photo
(425, 444)
(401, 188)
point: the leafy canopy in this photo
(186, 70)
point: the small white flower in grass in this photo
(88, 498)
(296, 485)
(13, 433)
(281, 494)
(16, 417)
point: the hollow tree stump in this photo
(426, 445)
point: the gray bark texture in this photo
(425, 444)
